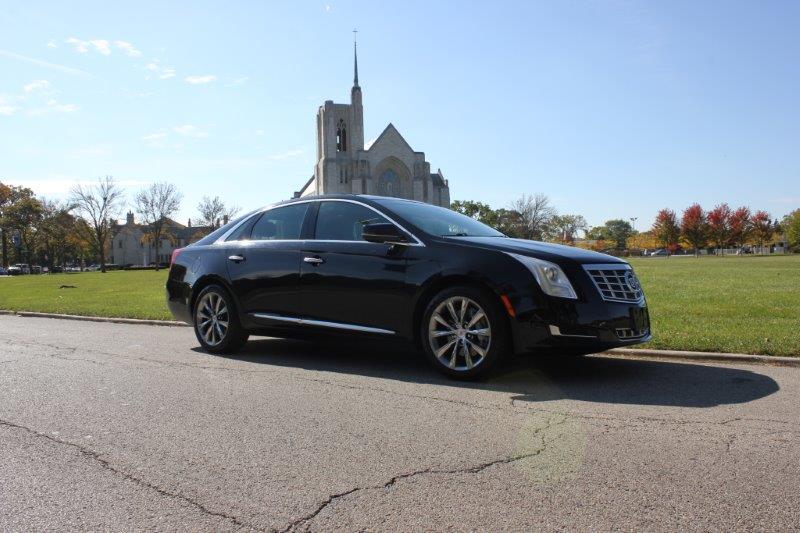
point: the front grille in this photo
(616, 283)
(629, 333)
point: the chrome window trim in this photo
(270, 207)
(323, 323)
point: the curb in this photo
(141, 322)
(641, 353)
(723, 357)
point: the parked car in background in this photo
(658, 253)
(464, 293)
(3, 271)
(56, 269)
(14, 270)
(24, 268)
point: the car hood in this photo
(543, 250)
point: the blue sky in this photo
(612, 108)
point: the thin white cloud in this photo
(199, 80)
(189, 130)
(259, 132)
(162, 72)
(58, 184)
(51, 44)
(53, 106)
(155, 136)
(237, 81)
(36, 85)
(328, 8)
(101, 46)
(128, 48)
(89, 152)
(7, 110)
(46, 64)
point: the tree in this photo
(509, 222)
(566, 227)
(477, 210)
(694, 227)
(22, 215)
(741, 226)
(56, 227)
(214, 210)
(536, 216)
(762, 228)
(719, 226)
(642, 241)
(5, 199)
(618, 231)
(97, 205)
(791, 225)
(666, 230)
(155, 204)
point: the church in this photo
(388, 166)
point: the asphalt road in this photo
(120, 427)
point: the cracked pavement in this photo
(128, 427)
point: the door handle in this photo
(236, 258)
(313, 260)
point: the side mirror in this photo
(383, 233)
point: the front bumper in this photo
(594, 325)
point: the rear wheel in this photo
(216, 323)
(464, 332)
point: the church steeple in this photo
(356, 132)
(355, 59)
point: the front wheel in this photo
(464, 332)
(216, 323)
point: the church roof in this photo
(386, 131)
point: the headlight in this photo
(550, 277)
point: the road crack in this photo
(476, 469)
(106, 465)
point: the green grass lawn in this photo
(127, 294)
(731, 304)
(728, 304)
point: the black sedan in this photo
(364, 265)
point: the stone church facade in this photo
(387, 167)
(130, 245)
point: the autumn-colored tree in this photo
(741, 226)
(666, 230)
(762, 228)
(642, 241)
(22, 216)
(719, 226)
(56, 226)
(694, 227)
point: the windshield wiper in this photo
(456, 235)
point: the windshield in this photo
(438, 220)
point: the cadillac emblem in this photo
(632, 282)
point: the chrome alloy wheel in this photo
(212, 318)
(459, 333)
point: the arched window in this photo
(341, 137)
(389, 183)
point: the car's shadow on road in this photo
(531, 378)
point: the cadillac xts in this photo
(461, 291)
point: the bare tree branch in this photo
(155, 205)
(98, 205)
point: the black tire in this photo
(436, 339)
(208, 322)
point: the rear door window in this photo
(281, 223)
